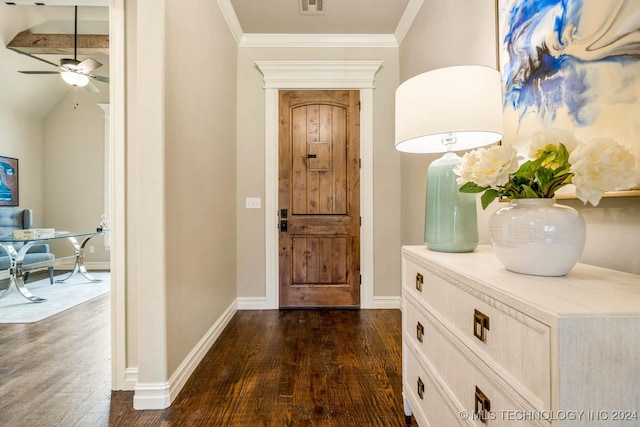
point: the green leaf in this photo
(557, 182)
(529, 193)
(488, 197)
(525, 171)
(563, 155)
(544, 175)
(472, 187)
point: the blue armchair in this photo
(18, 218)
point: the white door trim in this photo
(117, 195)
(356, 75)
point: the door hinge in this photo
(360, 221)
(361, 279)
(359, 105)
(360, 163)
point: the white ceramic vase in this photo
(537, 237)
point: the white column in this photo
(106, 109)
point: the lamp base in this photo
(451, 221)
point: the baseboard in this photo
(386, 302)
(160, 395)
(130, 378)
(252, 303)
(151, 396)
(260, 303)
(195, 356)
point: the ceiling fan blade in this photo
(39, 72)
(88, 65)
(32, 56)
(91, 88)
(102, 79)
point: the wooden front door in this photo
(319, 198)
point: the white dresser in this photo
(486, 347)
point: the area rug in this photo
(14, 308)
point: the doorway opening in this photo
(319, 198)
(281, 75)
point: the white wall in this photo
(251, 164)
(200, 173)
(73, 168)
(21, 132)
(22, 139)
(613, 228)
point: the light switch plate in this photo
(253, 202)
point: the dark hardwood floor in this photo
(268, 368)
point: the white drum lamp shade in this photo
(446, 110)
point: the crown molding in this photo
(318, 40)
(407, 18)
(231, 18)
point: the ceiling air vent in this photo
(311, 7)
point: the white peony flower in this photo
(601, 165)
(488, 167)
(465, 170)
(551, 137)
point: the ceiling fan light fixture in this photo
(75, 79)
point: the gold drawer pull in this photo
(480, 325)
(420, 388)
(420, 331)
(483, 406)
(419, 281)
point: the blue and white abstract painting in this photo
(572, 65)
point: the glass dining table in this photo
(15, 272)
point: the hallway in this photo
(268, 368)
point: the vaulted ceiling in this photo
(37, 94)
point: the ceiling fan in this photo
(74, 72)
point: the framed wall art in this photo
(572, 65)
(9, 194)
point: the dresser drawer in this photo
(470, 380)
(414, 321)
(495, 331)
(425, 399)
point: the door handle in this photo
(482, 406)
(480, 325)
(283, 226)
(420, 388)
(420, 331)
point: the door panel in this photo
(319, 160)
(319, 187)
(319, 260)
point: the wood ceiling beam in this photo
(60, 44)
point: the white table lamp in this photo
(454, 108)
